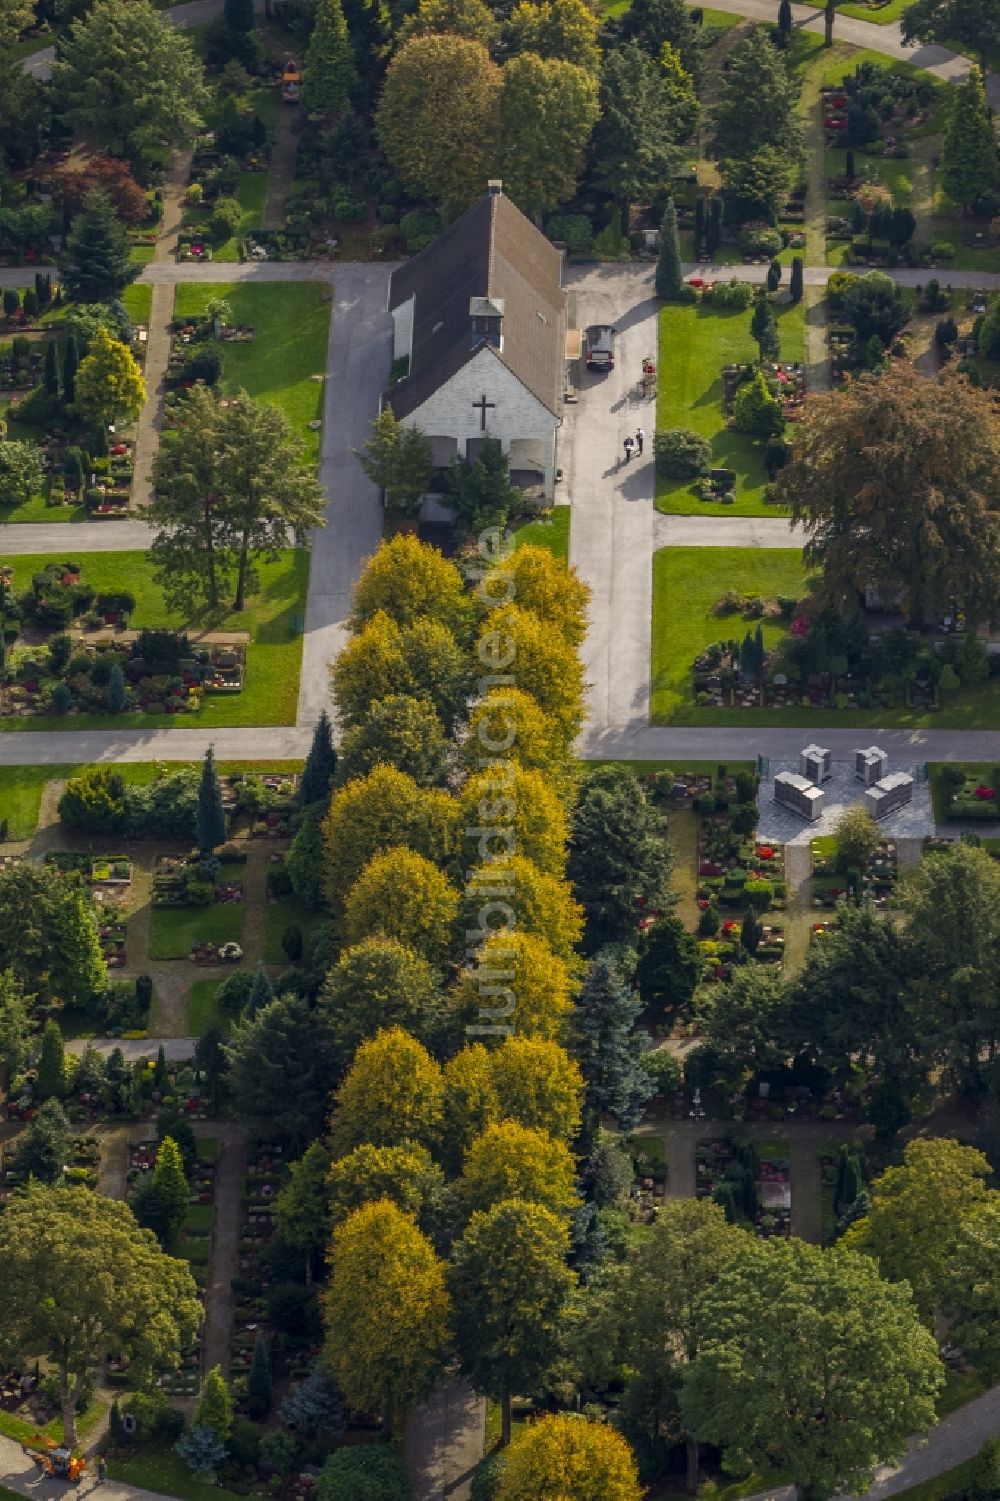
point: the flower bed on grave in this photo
(759, 1189)
(264, 1176)
(786, 380)
(162, 671)
(832, 885)
(973, 798)
(193, 881)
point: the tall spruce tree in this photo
(52, 368)
(797, 280)
(329, 74)
(210, 818)
(261, 995)
(608, 1047)
(321, 763)
(969, 158)
(764, 327)
(51, 1080)
(94, 264)
(669, 273)
(259, 1391)
(71, 363)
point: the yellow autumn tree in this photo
(393, 1093)
(381, 811)
(407, 579)
(401, 895)
(541, 661)
(517, 895)
(470, 1102)
(540, 983)
(506, 810)
(422, 660)
(533, 578)
(538, 1084)
(563, 1457)
(508, 724)
(109, 384)
(511, 1161)
(386, 1311)
(407, 1175)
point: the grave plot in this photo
(73, 653)
(81, 1170)
(753, 1187)
(110, 880)
(741, 880)
(261, 802)
(194, 1241)
(832, 883)
(198, 907)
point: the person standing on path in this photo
(102, 1470)
(629, 446)
(640, 438)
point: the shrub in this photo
(574, 230)
(94, 801)
(226, 218)
(419, 229)
(363, 1472)
(486, 1476)
(759, 894)
(760, 239)
(62, 699)
(680, 453)
(291, 943)
(730, 294)
(664, 1068)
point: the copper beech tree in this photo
(896, 482)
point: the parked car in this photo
(599, 346)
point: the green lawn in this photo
(553, 534)
(271, 691)
(202, 1011)
(979, 773)
(17, 1428)
(292, 320)
(281, 915)
(952, 1483)
(174, 929)
(21, 794)
(695, 343)
(138, 300)
(251, 191)
(158, 1468)
(21, 786)
(687, 581)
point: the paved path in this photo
(220, 1300)
(281, 172)
(147, 428)
(175, 1049)
(444, 1442)
(17, 539)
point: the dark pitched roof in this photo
(492, 252)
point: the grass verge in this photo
(695, 343)
(174, 929)
(552, 532)
(687, 581)
(157, 1468)
(292, 320)
(284, 914)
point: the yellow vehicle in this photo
(55, 1461)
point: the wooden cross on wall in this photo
(481, 406)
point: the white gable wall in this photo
(402, 329)
(449, 412)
